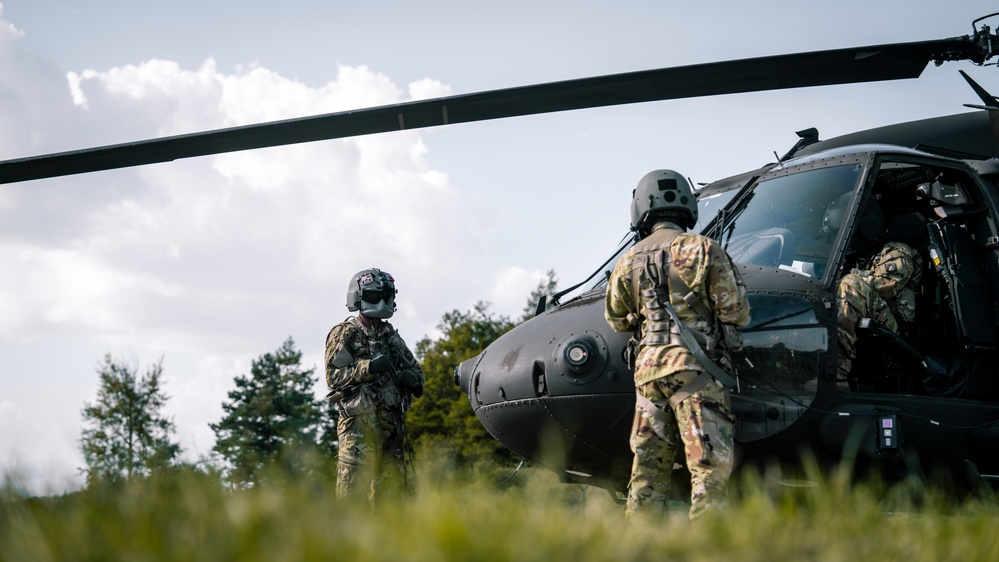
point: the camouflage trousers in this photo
(857, 299)
(371, 459)
(703, 424)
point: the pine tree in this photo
(124, 434)
(272, 419)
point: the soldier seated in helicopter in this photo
(948, 290)
(885, 294)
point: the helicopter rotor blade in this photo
(818, 68)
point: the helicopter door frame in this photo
(958, 425)
(964, 234)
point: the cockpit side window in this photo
(708, 207)
(783, 349)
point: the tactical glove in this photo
(379, 364)
(410, 381)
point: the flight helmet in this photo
(372, 292)
(896, 267)
(662, 195)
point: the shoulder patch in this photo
(343, 358)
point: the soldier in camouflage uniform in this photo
(886, 294)
(699, 415)
(372, 376)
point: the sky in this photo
(208, 263)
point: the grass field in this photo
(533, 517)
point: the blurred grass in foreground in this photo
(189, 516)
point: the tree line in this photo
(272, 420)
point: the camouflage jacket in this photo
(886, 293)
(350, 346)
(707, 270)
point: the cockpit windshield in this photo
(708, 207)
(791, 221)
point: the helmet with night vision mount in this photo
(662, 195)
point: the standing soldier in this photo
(371, 375)
(682, 297)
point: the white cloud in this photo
(29, 97)
(38, 468)
(508, 295)
(428, 88)
(7, 28)
(257, 229)
(9, 413)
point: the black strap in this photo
(695, 348)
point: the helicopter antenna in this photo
(805, 137)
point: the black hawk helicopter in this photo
(559, 382)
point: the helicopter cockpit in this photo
(818, 219)
(948, 349)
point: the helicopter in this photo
(794, 226)
(925, 403)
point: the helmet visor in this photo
(374, 296)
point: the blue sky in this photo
(211, 262)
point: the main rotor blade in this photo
(841, 66)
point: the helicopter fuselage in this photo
(557, 389)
